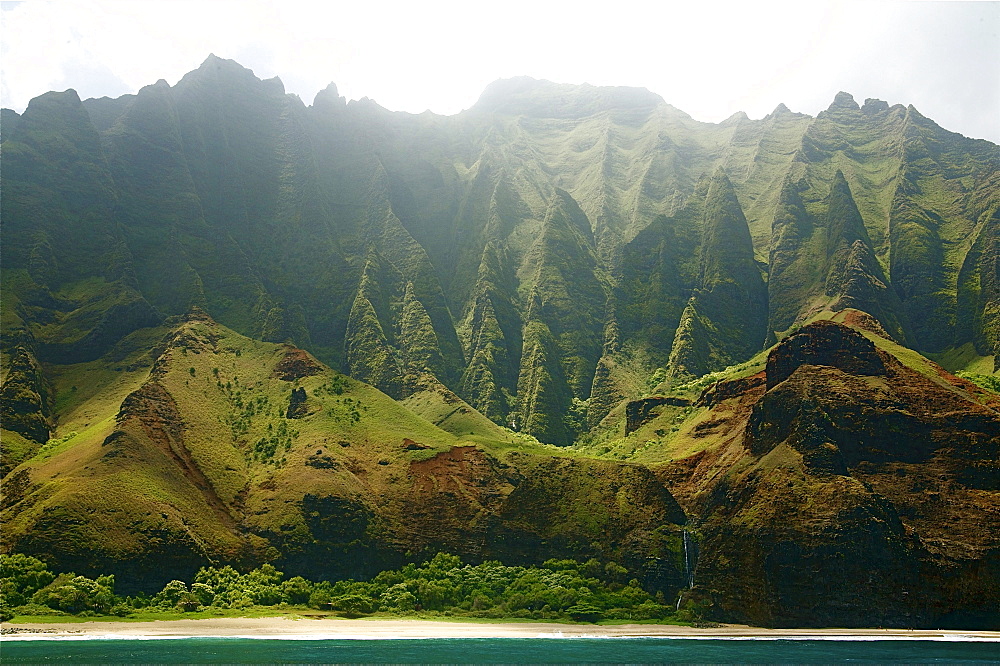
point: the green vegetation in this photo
(964, 358)
(988, 382)
(559, 590)
(497, 286)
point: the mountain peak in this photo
(844, 100)
(329, 98)
(873, 106)
(68, 97)
(216, 65)
(735, 118)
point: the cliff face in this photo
(862, 492)
(586, 266)
(725, 320)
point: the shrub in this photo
(188, 602)
(319, 599)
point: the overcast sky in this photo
(708, 59)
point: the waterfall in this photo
(688, 571)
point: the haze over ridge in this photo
(712, 60)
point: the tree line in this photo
(557, 590)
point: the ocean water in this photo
(493, 651)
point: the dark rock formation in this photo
(411, 445)
(295, 365)
(720, 391)
(297, 407)
(824, 343)
(837, 518)
(639, 412)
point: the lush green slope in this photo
(214, 447)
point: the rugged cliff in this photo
(855, 484)
(541, 254)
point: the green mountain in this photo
(215, 447)
(557, 265)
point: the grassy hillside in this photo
(191, 444)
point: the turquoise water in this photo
(493, 650)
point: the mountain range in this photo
(570, 321)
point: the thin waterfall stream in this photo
(688, 571)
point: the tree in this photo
(224, 583)
(584, 612)
(263, 586)
(296, 590)
(74, 594)
(20, 577)
(353, 605)
(204, 593)
(171, 594)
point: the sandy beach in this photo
(309, 628)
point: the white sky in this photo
(709, 59)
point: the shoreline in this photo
(287, 628)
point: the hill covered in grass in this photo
(219, 448)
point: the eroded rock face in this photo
(720, 391)
(824, 343)
(296, 364)
(154, 408)
(528, 509)
(867, 495)
(638, 412)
